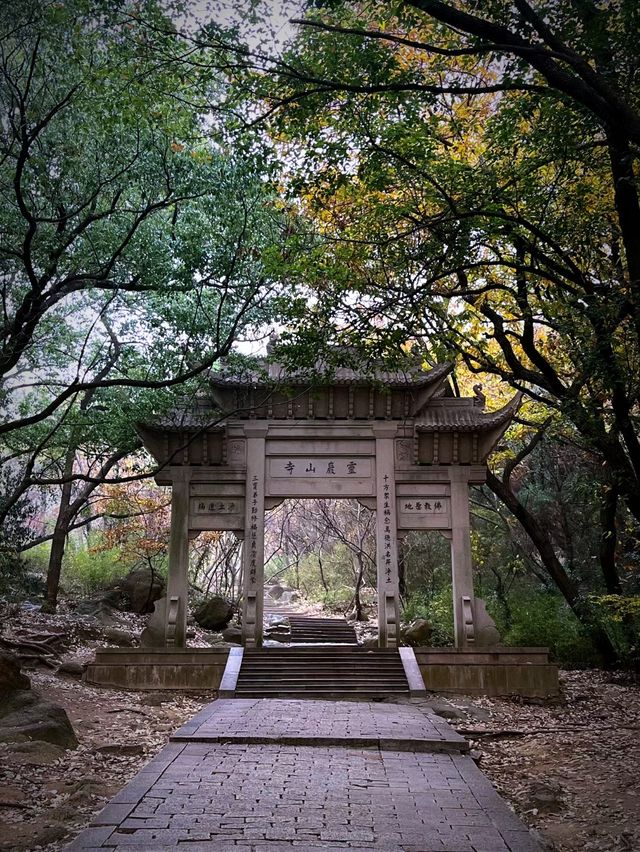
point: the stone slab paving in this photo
(199, 796)
(398, 727)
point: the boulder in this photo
(153, 636)
(485, 630)
(141, 589)
(117, 636)
(545, 796)
(98, 607)
(417, 633)
(232, 634)
(443, 708)
(277, 630)
(24, 716)
(71, 666)
(11, 678)
(213, 639)
(275, 592)
(214, 614)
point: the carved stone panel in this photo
(218, 512)
(236, 452)
(404, 452)
(320, 476)
(216, 506)
(424, 512)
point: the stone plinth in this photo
(497, 671)
(178, 668)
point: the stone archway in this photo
(398, 444)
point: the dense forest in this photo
(454, 181)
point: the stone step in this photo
(309, 629)
(333, 665)
(320, 683)
(329, 670)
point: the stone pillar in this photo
(253, 548)
(386, 538)
(461, 565)
(178, 581)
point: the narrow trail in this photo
(267, 774)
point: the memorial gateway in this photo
(399, 443)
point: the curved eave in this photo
(470, 418)
(408, 381)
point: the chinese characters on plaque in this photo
(321, 468)
(432, 506)
(253, 532)
(220, 507)
(386, 515)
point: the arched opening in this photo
(320, 563)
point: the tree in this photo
(140, 239)
(132, 236)
(441, 201)
(472, 171)
(122, 212)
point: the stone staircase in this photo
(311, 629)
(342, 671)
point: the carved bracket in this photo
(249, 618)
(390, 620)
(467, 619)
(173, 607)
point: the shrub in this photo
(437, 609)
(85, 570)
(20, 577)
(544, 619)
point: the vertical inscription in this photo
(253, 532)
(386, 516)
(386, 536)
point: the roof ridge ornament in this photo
(480, 398)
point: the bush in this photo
(20, 577)
(544, 619)
(335, 599)
(437, 610)
(620, 617)
(86, 570)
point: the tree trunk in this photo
(54, 568)
(608, 540)
(61, 531)
(322, 577)
(554, 568)
(356, 595)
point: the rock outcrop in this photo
(214, 614)
(24, 716)
(141, 589)
(418, 633)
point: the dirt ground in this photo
(570, 770)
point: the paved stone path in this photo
(209, 792)
(398, 727)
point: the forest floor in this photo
(570, 769)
